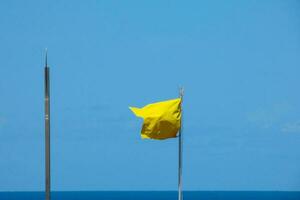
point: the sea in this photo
(153, 195)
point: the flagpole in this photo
(180, 142)
(47, 129)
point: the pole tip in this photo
(181, 91)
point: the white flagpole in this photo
(47, 129)
(180, 142)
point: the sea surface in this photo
(162, 195)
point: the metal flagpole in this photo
(47, 129)
(180, 141)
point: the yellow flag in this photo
(162, 120)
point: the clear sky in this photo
(238, 61)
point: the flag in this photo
(162, 120)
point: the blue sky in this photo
(238, 61)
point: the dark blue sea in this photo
(165, 195)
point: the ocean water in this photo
(164, 195)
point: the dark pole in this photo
(180, 141)
(47, 129)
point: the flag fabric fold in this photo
(162, 120)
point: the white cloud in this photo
(270, 116)
(291, 127)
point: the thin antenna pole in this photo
(47, 129)
(180, 142)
